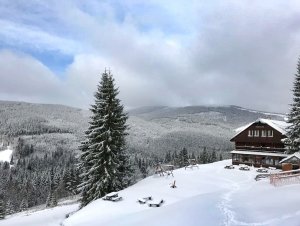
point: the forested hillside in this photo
(45, 141)
(153, 130)
(162, 129)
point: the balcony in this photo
(261, 149)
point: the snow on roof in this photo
(295, 155)
(258, 153)
(280, 126)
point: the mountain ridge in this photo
(152, 129)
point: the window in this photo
(245, 159)
(270, 133)
(236, 157)
(256, 133)
(263, 133)
(269, 160)
(250, 133)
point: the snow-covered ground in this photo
(209, 195)
(5, 155)
(46, 217)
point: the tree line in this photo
(30, 180)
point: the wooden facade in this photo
(259, 144)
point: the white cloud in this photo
(32, 37)
(165, 53)
(25, 78)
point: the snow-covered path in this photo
(227, 197)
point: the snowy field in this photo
(209, 195)
(5, 155)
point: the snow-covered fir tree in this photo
(213, 156)
(51, 199)
(24, 205)
(2, 207)
(183, 156)
(293, 135)
(220, 157)
(9, 208)
(104, 163)
(144, 169)
(204, 156)
(168, 157)
(71, 181)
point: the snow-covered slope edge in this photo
(5, 155)
(41, 217)
(209, 195)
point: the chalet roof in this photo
(295, 155)
(280, 126)
(258, 153)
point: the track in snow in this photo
(226, 208)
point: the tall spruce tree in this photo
(293, 135)
(104, 163)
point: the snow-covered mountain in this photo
(159, 129)
(154, 129)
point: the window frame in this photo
(250, 133)
(270, 133)
(256, 133)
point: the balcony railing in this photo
(261, 149)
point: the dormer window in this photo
(270, 133)
(256, 133)
(250, 133)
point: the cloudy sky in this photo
(168, 52)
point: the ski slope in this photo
(209, 195)
(5, 155)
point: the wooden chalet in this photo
(260, 143)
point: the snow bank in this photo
(210, 195)
(47, 217)
(5, 155)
